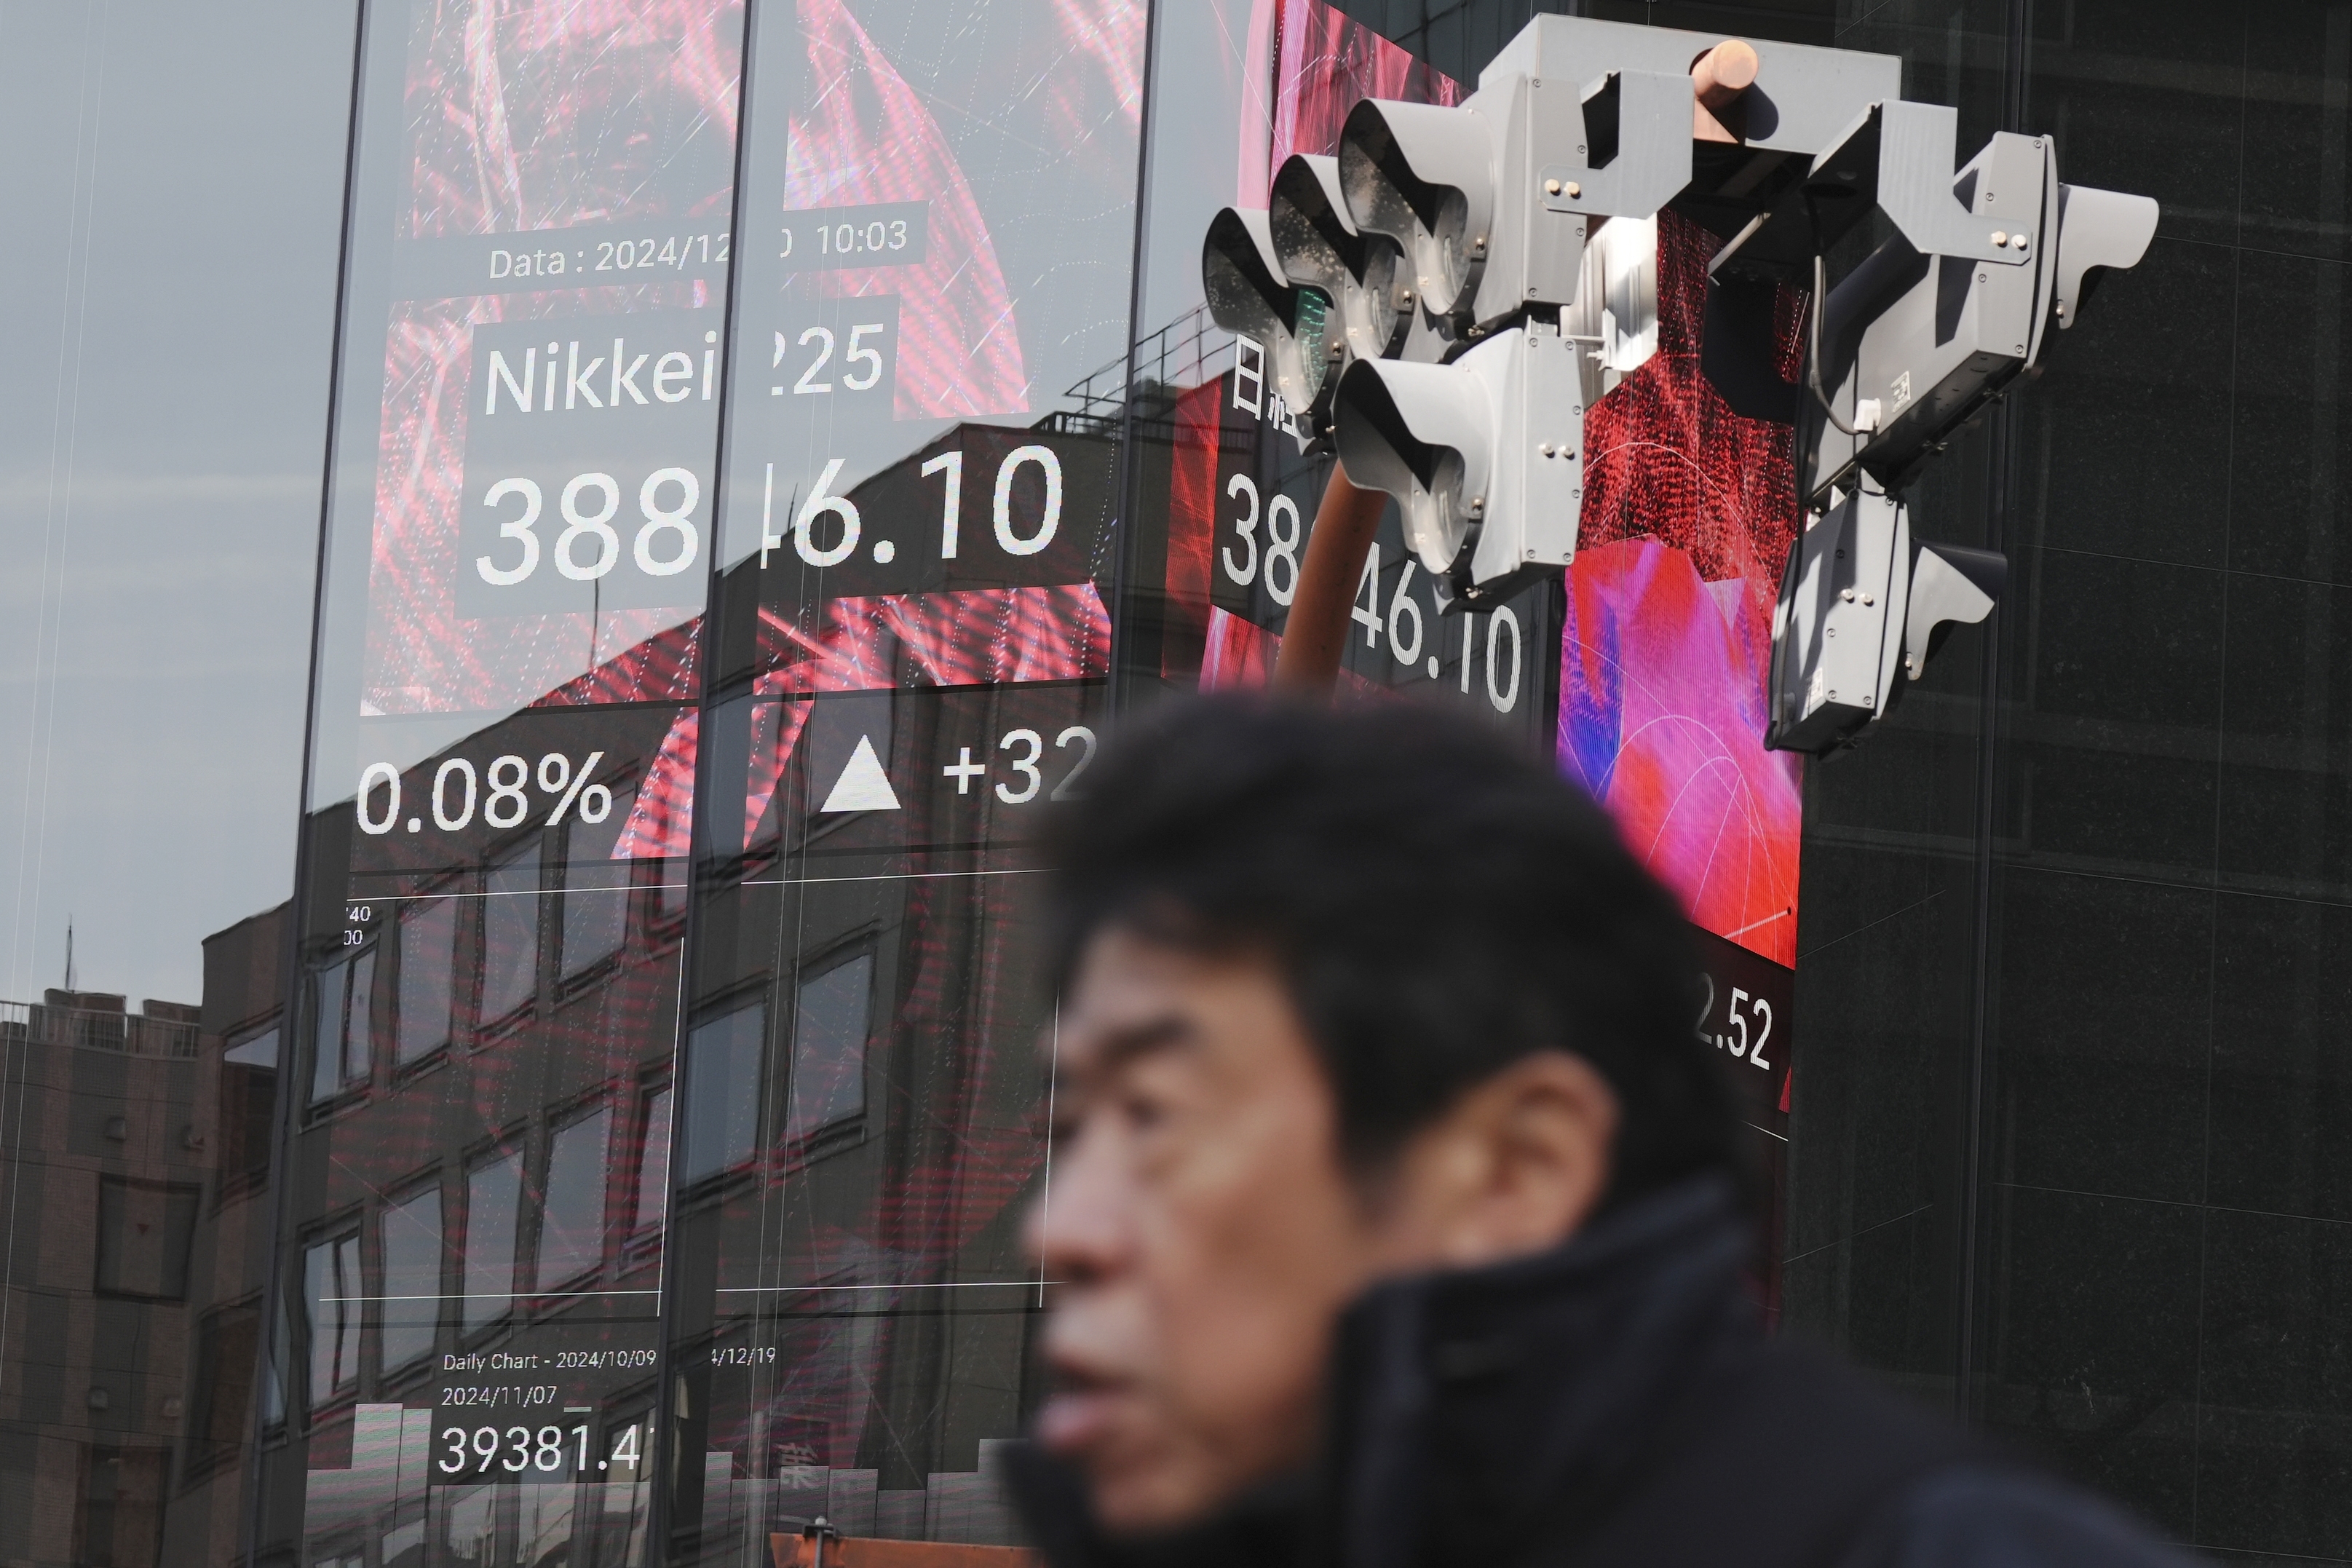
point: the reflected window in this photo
(596, 894)
(410, 1234)
(248, 1101)
(595, 919)
(571, 1222)
(273, 1373)
(331, 1293)
(493, 1196)
(832, 1014)
(122, 1506)
(341, 1024)
(226, 1343)
(510, 935)
(722, 1091)
(428, 963)
(653, 1165)
(146, 1231)
(329, 991)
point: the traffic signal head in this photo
(1484, 456)
(1863, 607)
(1321, 248)
(1249, 292)
(1423, 176)
(1490, 201)
(1954, 306)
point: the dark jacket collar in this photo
(1472, 1409)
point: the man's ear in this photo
(1514, 1167)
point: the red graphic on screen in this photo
(866, 138)
(1661, 718)
(528, 116)
(1325, 61)
(1668, 642)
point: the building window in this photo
(596, 894)
(572, 1218)
(331, 1288)
(343, 999)
(831, 1015)
(410, 1235)
(510, 935)
(493, 1196)
(146, 1232)
(428, 966)
(248, 1105)
(722, 1091)
(653, 1165)
(122, 1506)
(227, 1342)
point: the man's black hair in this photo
(1439, 902)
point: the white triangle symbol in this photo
(863, 785)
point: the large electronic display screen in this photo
(752, 490)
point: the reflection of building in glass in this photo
(136, 1180)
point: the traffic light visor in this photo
(1423, 176)
(1424, 434)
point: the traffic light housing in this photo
(1483, 455)
(1444, 299)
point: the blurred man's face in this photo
(1204, 1236)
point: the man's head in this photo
(1346, 996)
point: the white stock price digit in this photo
(524, 1452)
(457, 789)
(1281, 547)
(827, 528)
(601, 495)
(1023, 749)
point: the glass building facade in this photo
(561, 547)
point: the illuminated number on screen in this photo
(455, 1463)
(391, 777)
(897, 234)
(441, 818)
(1738, 1022)
(599, 526)
(582, 1433)
(1504, 695)
(1283, 548)
(1025, 766)
(507, 804)
(660, 521)
(818, 505)
(1246, 573)
(823, 356)
(951, 465)
(547, 1453)
(1044, 458)
(513, 528)
(1366, 611)
(855, 353)
(1704, 1008)
(1755, 1052)
(1084, 736)
(485, 1454)
(519, 1459)
(1403, 651)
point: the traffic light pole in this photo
(1316, 632)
